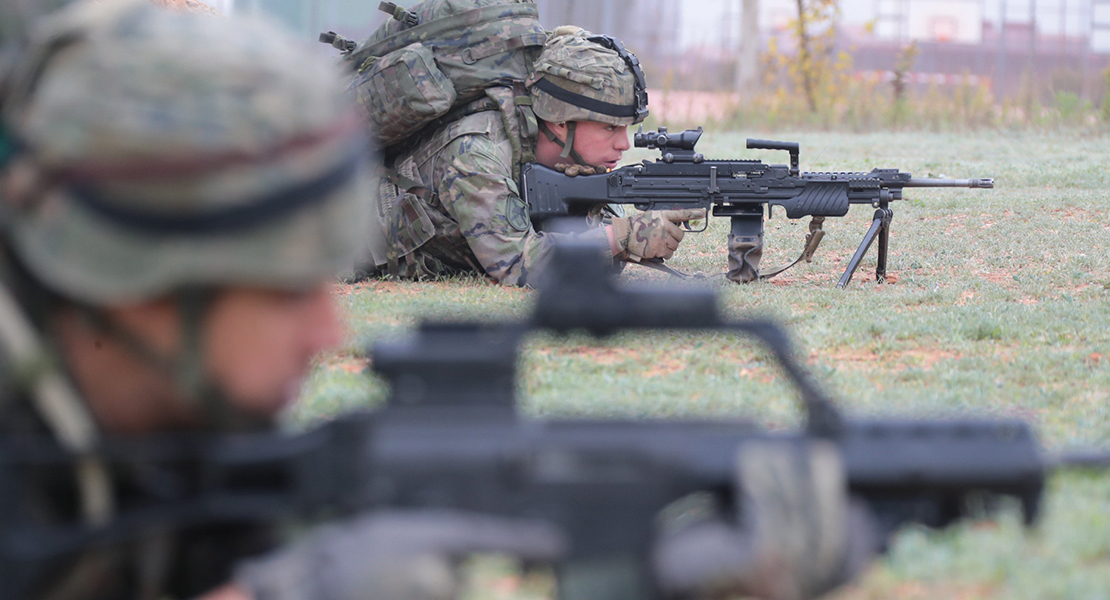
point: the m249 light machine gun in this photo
(737, 189)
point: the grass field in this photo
(998, 305)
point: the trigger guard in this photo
(686, 225)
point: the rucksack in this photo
(435, 62)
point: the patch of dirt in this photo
(761, 375)
(926, 358)
(605, 356)
(917, 590)
(1070, 213)
(347, 363)
(379, 286)
(999, 277)
(665, 367)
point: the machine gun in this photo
(737, 189)
(451, 437)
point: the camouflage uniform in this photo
(157, 154)
(475, 221)
(466, 214)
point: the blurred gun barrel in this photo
(1081, 459)
(987, 183)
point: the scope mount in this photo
(676, 147)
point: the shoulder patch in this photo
(516, 214)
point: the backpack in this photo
(438, 61)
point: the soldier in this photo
(585, 94)
(182, 191)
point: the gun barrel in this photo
(1081, 459)
(987, 183)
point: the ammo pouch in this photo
(745, 245)
(745, 249)
(744, 253)
(422, 242)
(409, 228)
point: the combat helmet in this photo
(163, 154)
(161, 150)
(580, 76)
(17, 17)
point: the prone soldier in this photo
(452, 203)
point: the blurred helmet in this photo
(160, 151)
(17, 18)
(580, 76)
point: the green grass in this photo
(999, 306)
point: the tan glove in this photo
(798, 535)
(654, 234)
(574, 170)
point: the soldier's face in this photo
(257, 347)
(260, 343)
(601, 143)
(598, 143)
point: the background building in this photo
(1055, 45)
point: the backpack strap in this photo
(515, 105)
(411, 142)
(521, 124)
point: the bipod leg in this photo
(884, 243)
(879, 225)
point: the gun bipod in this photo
(880, 227)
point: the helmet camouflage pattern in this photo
(159, 151)
(580, 76)
(17, 17)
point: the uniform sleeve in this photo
(477, 189)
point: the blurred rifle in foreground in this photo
(737, 189)
(451, 437)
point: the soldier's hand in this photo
(653, 234)
(798, 535)
(574, 170)
(395, 555)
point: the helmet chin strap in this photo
(568, 146)
(187, 369)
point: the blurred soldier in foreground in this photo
(183, 190)
(452, 202)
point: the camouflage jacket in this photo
(469, 216)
